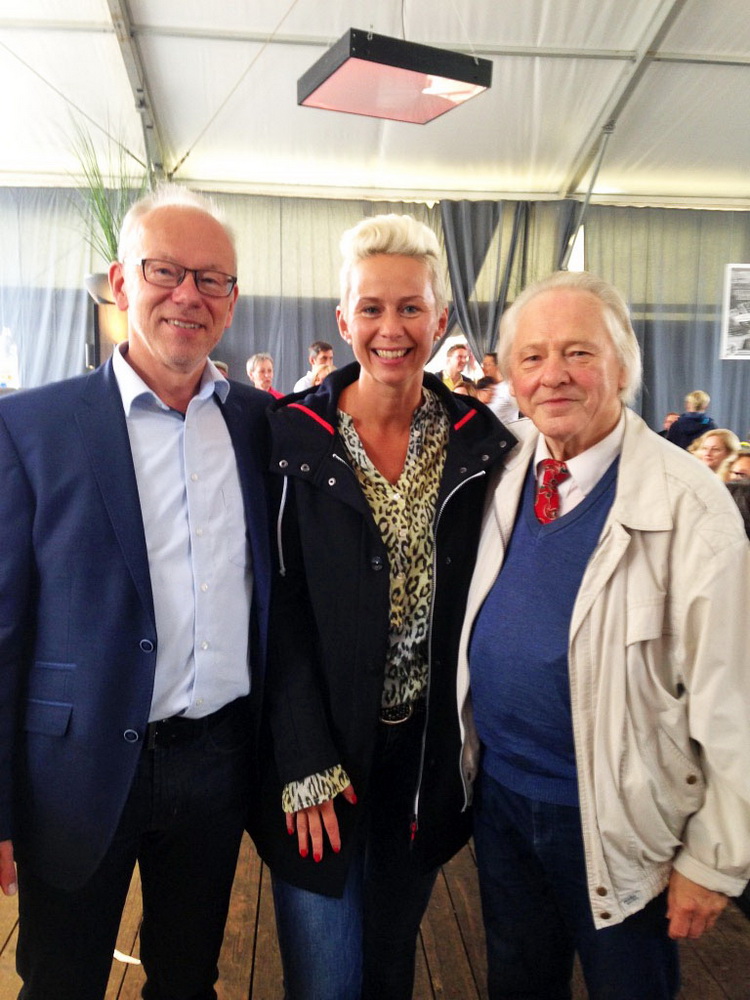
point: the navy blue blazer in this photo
(77, 632)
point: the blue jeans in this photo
(362, 946)
(535, 904)
(182, 823)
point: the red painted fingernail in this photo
(303, 852)
(354, 798)
(337, 849)
(317, 856)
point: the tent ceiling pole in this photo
(131, 57)
(607, 132)
(662, 21)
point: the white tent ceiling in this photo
(216, 84)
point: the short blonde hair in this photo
(392, 234)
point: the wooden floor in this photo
(450, 960)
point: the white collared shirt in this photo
(199, 563)
(585, 469)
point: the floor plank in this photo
(450, 951)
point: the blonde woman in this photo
(715, 448)
(384, 480)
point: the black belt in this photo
(395, 714)
(177, 729)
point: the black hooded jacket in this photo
(330, 621)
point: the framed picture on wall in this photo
(735, 318)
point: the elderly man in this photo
(134, 589)
(259, 370)
(606, 644)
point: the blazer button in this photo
(130, 736)
(304, 467)
(146, 645)
(377, 563)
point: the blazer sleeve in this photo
(17, 504)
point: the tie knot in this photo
(553, 472)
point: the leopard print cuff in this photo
(314, 790)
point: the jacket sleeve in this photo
(303, 744)
(716, 839)
(16, 569)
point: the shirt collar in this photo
(588, 468)
(133, 388)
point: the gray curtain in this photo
(483, 242)
(669, 264)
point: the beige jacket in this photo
(659, 664)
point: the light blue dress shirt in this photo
(199, 562)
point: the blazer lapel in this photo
(249, 452)
(104, 437)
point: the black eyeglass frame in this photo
(197, 273)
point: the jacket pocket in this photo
(645, 620)
(49, 718)
(50, 681)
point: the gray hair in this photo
(163, 196)
(392, 234)
(614, 312)
(256, 359)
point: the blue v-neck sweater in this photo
(518, 656)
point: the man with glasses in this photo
(134, 579)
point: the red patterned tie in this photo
(547, 502)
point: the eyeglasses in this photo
(167, 274)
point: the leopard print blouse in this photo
(404, 513)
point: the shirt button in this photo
(199, 532)
(198, 701)
(146, 645)
(204, 587)
(194, 477)
(692, 779)
(204, 644)
(605, 915)
(130, 736)
(601, 891)
(377, 563)
(332, 481)
(304, 467)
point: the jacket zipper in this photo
(279, 527)
(414, 821)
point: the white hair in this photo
(614, 312)
(164, 195)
